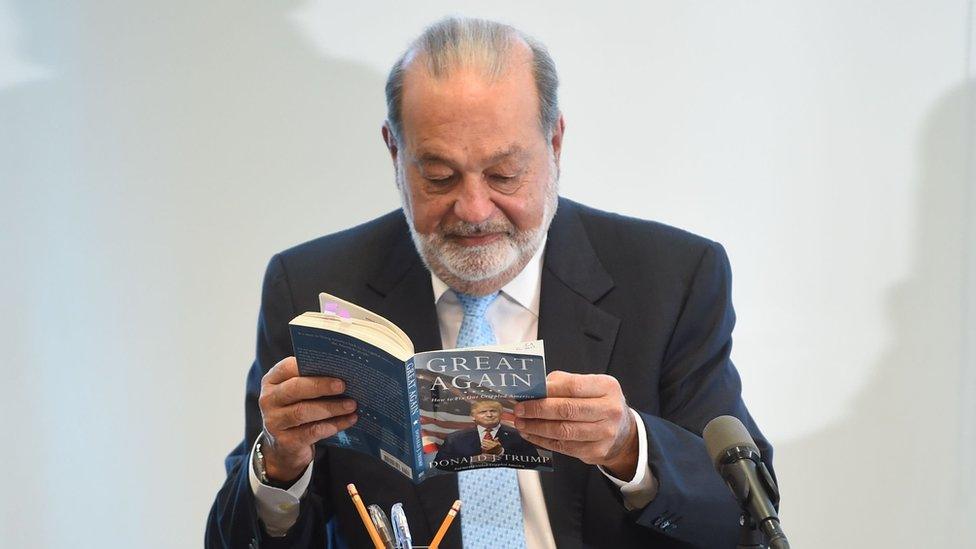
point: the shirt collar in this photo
(524, 289)
(493, 431)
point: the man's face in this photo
(476, 172)
(486, 415)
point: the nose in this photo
(473, 203)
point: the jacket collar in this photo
(570, 256)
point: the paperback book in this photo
(423, 413)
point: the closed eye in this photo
(441, 180)
(504, 183)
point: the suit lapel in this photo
(579, 338)
(401, 292)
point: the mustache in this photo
(475, 229)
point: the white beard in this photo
(485, 268)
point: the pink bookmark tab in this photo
(333, 308)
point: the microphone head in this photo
(726, 432)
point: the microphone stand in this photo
(749, 535)
(752, 535)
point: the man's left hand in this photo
(584, 416)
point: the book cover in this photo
(467, 397)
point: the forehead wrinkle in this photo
(512, 151)
(432, 157)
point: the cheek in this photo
(524, 210)
(428, 211)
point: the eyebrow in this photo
(512, 151)
(501, 154)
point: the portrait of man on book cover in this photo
(489, 442)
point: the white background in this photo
(153, 155)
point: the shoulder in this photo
(339, 263)
(462, 432)
(350, 245)
(627, 245)
(603, 226)
(457, 436)
(509, 432)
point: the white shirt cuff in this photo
(277, 508)
(641, 489)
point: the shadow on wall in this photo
(890, 474)
(175, 148)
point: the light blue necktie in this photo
(491, 515)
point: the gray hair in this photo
(462, 42)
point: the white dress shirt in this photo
(514, 317)
(493, 431)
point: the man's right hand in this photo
(491, 447)
(298, 412)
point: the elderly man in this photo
(636, 318)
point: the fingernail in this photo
(349, 405)
(337, 386)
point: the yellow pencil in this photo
(446, 524)
(368, 522)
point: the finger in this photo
(314, 432)
(301, 388)
(286, 368)
(587, 452)
(310, 411)
(563, 384)
(554, 445)
(566, 430)
(563, 408)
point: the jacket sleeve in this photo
(698, 383)
(233, 521)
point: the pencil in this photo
(370, 529)
(446, 524)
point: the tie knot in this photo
(475, 305)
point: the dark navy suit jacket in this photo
(646, 303)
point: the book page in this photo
(331, 304)
(375, 334)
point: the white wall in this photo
(153, 155)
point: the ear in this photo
(557, 138)
(391, 143)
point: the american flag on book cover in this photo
(447, 409)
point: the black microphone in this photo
(737, 460)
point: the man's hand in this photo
(584, 416)
(491, 447)
(298, 412)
